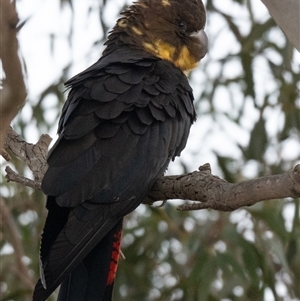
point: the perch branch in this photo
(207, 190)
(212, 192)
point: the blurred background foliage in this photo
(247, 99)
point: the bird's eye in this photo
(181, 25)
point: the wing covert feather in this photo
(116, 122)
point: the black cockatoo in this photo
(125, 118)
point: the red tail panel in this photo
(115, 255)
(93, 279)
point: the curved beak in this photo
(202, 37)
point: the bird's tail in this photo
(93, 279)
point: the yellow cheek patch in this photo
(160, 49)
(165, 51)
(185, 61)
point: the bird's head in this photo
(169, 29)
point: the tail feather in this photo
(89, 280)
(93, 279)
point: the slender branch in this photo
(13, 236)
(207, 190)
(33, 155)
(12, 176)
(13, 94)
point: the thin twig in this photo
(13, 236)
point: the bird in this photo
(125, 118)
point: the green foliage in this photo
(253, 88)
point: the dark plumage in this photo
(125, 118)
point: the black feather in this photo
(125, 118)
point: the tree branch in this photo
(207, 190)
(212, 192)
(21, 270)
(33, 155)
(13, 94)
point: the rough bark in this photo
(13, 94)
(207, 190)
(212, 192)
